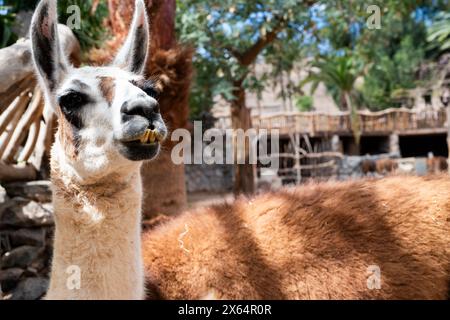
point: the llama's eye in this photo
(72, 100)
(150, 91)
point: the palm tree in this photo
(439, 32)
(439, 38)
(339, 75)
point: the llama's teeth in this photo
(147, 135)
(151, 136)
(144, 137)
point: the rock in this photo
(9, 278)
(39, 191)
(32, 237)
(31, 272)
(40, 264)
(3, 200)
(30, 289)
(20, 257)
(23, 213)
(208, 178)
(3, 196)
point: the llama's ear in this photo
(47, 54)
(133, 54)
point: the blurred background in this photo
(355, 89)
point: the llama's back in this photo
(321, 241)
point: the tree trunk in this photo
(164, 182)
(448, 136)
(354, 117)
(244, 174)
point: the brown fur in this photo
(368, 166)
(68, 137)
(107, 87)
(310, 242)
(386, 166)
(436, 165)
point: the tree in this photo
(439, 32)
(439, 39)
(90, 33)
(339, 74)
(163, 181)
(230, 36)
(393, 52)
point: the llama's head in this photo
(108, 116)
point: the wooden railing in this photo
(400, 120)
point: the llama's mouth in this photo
(145, 146)
(138, 151)
(150, 136)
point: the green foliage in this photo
(92, 31)
(225, 31)
(7, 36)
(19, 5)
(396, 52)
(304, 103)
(392, 54)
(439, 32)
(338, 74)
(390, 73)
(334, 33)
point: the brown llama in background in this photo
(386, 166)
(437, 164)
(318, 241)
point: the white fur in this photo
(97, 192)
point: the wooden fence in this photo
(390, 120)
(26, 124)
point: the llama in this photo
(367, 239)
(330, 240)
(108, 123)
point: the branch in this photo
(250, 55)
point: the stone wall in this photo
(26, 231)
(209, 178)
(219, 178)
(350, 167)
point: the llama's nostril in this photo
(136, 111)
(145, 111)
(151, 127)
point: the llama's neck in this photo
(97, 245)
